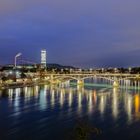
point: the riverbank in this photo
(20, 85)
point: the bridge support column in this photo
(80, 82)
(115, 83)
(54, 81)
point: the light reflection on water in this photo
(40, 105)
(50, 96)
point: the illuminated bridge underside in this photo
(115, 79)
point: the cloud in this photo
(75, 32)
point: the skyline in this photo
(79, 33)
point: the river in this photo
(58, 112)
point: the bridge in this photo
(114, 78)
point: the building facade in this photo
(43, 58)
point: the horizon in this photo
(107, 67)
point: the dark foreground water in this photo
(56, 113)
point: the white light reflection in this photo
(25, 90)
(102, 104)
(138, 84)
(17, 102)
(10, 93)
(62, 92)
(90, 103)
(129, 108)
(80, 91)
(36, 91)
(10, 96)
(43, 98)
(27, 93)
(79, 101)
(135, 85)
(70, 97)
(115, 103)
(67, 83)
(52, 98)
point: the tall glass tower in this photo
(43, 58)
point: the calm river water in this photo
(57, 113)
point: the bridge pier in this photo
(115, 83)
(54, 82)
(80, 82)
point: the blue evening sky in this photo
(82, 33)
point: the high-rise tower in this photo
(43, 58)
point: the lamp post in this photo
(17, 55)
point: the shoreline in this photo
(21, 85)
